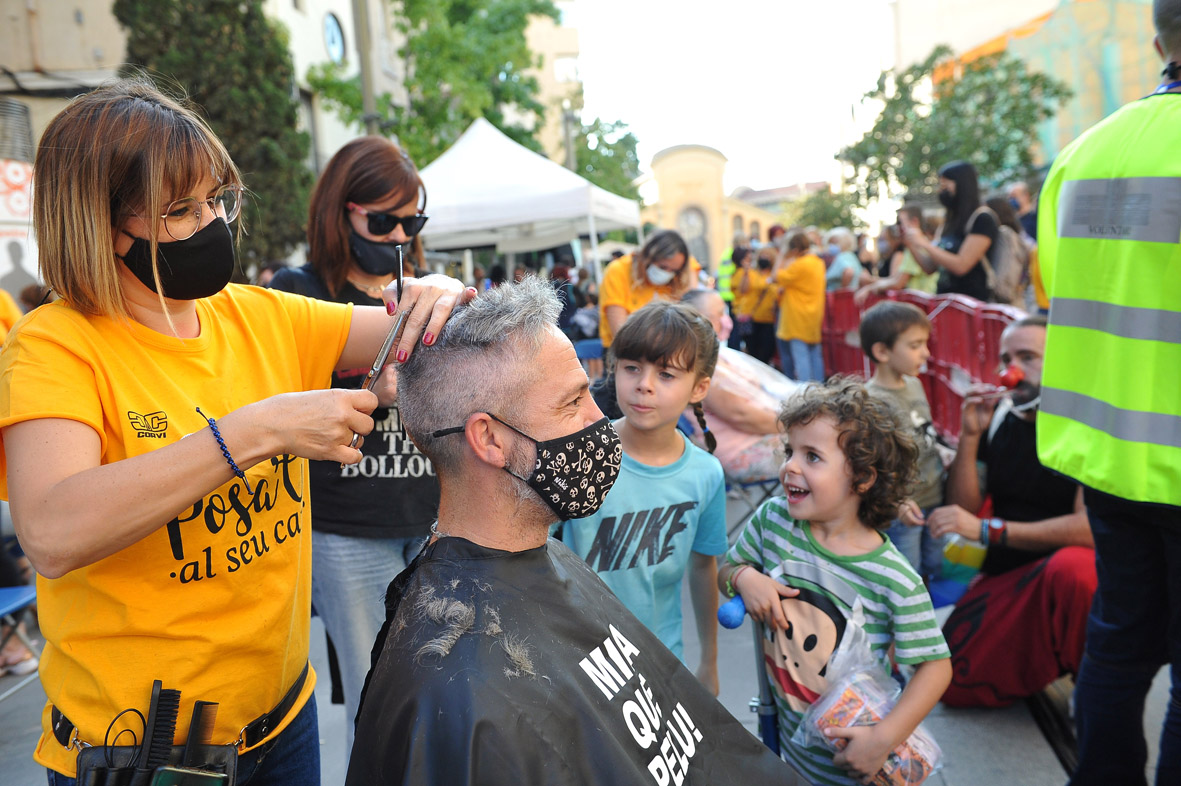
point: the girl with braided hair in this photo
(666, 514)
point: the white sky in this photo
(769, 83)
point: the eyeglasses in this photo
(385, 223)
(182, 218)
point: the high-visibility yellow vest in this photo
(1109, 242)
(725, 273)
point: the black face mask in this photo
(376, 259)
(189, 269)
(947, 199)
(572, 474)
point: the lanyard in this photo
(1166, 87)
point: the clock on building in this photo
(333, 38)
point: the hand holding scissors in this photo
(384, 353)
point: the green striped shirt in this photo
(896, 607)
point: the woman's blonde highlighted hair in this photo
(124, 150)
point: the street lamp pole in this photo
(568, 120)
(365, 56)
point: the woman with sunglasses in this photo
(156, 424)
(370, 518)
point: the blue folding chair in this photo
(752, 493)
(15, 603)
(587, 350)
(730, 616)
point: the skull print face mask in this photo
(572, 474)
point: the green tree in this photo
(824, 209)
(986, 112)
(464, 59)
(607, 157)
(235, 65)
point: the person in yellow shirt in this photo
(905, 270)
(155, 427)
(755, 297)
(662, 267)
(743, 296)
(799, 277)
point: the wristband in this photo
(731, 589)
(225, 451)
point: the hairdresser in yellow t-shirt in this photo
(799, 275)
(156, 425)
(10, 312)
(662, 267)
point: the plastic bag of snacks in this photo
(861, 694)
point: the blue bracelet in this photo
(226, 451)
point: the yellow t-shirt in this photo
(755, 298)
(10, 312)
(801, 306)
(920, 279)
(618, 288)
(215, 603)
(765, 309)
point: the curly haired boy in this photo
(849, 464)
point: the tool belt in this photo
(122, 765)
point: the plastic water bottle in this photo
(962, 559)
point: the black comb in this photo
(200, 731)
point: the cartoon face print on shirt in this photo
(924, 431)
(797, 657)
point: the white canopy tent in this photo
(487, 190)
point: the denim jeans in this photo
(291, 759)
(922, 550)
(800, 360)
(349, 579)
(1134, 628)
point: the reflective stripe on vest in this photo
(1153, 428)
(1145, 324)
(725, 273)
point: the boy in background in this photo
(894, 336)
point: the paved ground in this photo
(980, 746)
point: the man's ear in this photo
(487, 443)
(1159, 47)
(699, 390)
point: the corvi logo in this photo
(150, 426)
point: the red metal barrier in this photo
(993, 319)
(840, 338)
(964, 344)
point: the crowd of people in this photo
(193, 466)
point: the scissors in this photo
(383, 353)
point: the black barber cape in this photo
(522, 668)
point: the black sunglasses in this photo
(384, 223)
